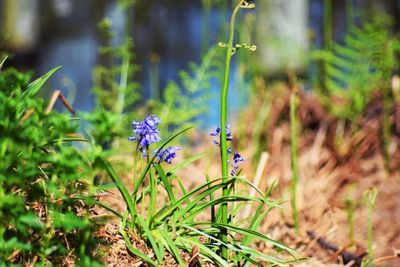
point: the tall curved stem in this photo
(223, 118)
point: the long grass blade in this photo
(169, 243)
(35, 86)
(202, 195)
(186, 162)
(166, 182)
(90, 200)
(120, 185)
(150, 237)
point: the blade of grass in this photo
(166, 182)
(186, 162)
(90, 200)
(164, 235)
(35, 86)
(202, 195)
(153, 197)
(189, 213)
(239, 248)
(150, 237)
(254, 234)
(133, 250)
(120, 185)
(211, 199)
(205, 251)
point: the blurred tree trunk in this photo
(20, 23)
(282, 34)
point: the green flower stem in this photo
(387, 101)
(122, 88)
(224, 147)
(328, 24)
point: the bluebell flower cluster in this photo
(146, 133)
(237, 158)
(167, 155)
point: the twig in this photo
(58, 95)
(396, 255)
(346, 256)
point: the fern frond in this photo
(357, 67)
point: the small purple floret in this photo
(217, 133)
(237, 158)
(167, 155)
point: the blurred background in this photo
(168, 34)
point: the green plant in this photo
(350, 206)
(169, 218)
(171, 222)
(41, 170)
(354, 69)
(230, 50)
(369, 197)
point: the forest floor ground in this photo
(336, 163)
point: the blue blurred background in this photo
(167, 34)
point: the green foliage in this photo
(40, 169)
(182, 104)
(355, 69)
(369, 197)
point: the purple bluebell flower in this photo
(146, 133)
(167, 154)
(217, 133)
(237, 158)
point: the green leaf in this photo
(35, 86)
(169, 243)
(120, 185)
(174, 206)
(198, 208)
(31, 220)
(166, 182)
(68, 221)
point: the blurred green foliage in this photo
(41, 170)
(114, 88)
(358, 67)
(184, 102)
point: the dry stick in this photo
(58, 95)
(396, 255)
(260, 168)
(346, 256)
